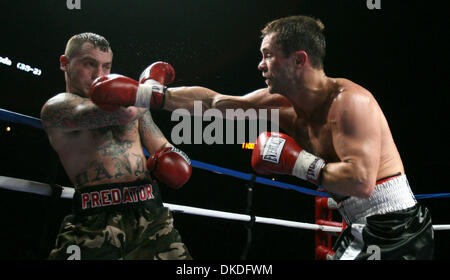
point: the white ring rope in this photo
(15, 184)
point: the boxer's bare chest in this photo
(105, 155)
(315, 138)
(108, 142)
(315, 135)
(112, 140)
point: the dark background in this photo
(398, 53)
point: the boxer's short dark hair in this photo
(299, 33)
(75, 42)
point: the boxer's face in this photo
(275, 66)
(82, 69)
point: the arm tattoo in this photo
(148, 127)
(58, 114)
(70, 111)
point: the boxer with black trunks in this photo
(348, 139)
(117, 207)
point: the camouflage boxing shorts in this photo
(119, 221)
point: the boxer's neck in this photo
(313, 91)
(74, 90)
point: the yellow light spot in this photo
(248, 146)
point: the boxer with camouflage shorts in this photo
(118, 211)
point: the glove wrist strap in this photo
(143, 96)
(308, 167)
(151, 94)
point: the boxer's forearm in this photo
(151, 136)
(348, 179)
(184, 97)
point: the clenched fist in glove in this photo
(112, 91)
(278, 153)
(156, 75)
(170, 166)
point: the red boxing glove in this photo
(278, 153)
(170, 166)
(162, 72)
(112, 91)
(158, 75)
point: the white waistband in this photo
(392, 195)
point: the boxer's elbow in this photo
(215, 100)
(348, 179)
(362, 182)
(219, 101)
(189, 98)
(359, 187)
(365, 190)
(129, 114)
(229, 104)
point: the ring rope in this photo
(22, 185)
(35, 122)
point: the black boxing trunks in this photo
(390, 225)
(119, 221)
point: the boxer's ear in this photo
(301, 57)
(63, 61)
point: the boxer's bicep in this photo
(357, 136)
(59, 112)
(356, 140)
(151, 136)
